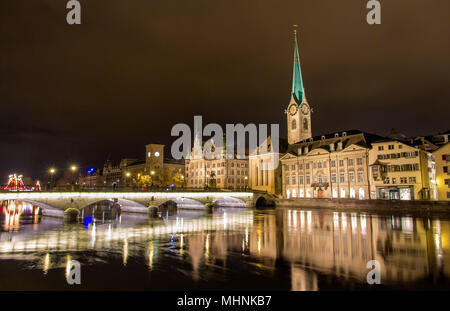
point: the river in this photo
(223, 249)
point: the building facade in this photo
(261, 176)
(401, 171)
(442, 158)
(154, 171)
(329, 166)
(221, 172)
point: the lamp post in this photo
(128, 178)
(52, 172)
(73, 168)
(152, 173)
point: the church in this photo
(334, 165)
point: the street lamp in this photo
(128, 178)
(52, 172)
(73, 168)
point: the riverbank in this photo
(379, 206)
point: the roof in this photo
(298, 91)
(347, 138)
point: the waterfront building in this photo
(401, 170)
(442, 159)
(222, 172)
(328, 166)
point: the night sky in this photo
(132, 69)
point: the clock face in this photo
(293, 109)
(305, 108)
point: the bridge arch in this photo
(126, 205)
(46, 209)
(182, 202)
(264, 201)
(229, 202)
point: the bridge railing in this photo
(135, 189)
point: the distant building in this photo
(154, 171)
(222, 173)
(90, 180)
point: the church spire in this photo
(298, 92)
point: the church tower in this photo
(298, 111)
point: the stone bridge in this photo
(55, 203)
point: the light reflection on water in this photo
(286, 249)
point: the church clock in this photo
(305, 108)
(293, 109)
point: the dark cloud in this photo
(135, 68)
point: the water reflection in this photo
(300, 249)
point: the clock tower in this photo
(298, 111)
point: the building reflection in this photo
(342, 243)
(312, 242)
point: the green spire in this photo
(298, 92)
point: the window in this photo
(360, 176)
(400, 146)
(386, 180)
(341, 162)
(412, 180)
(341, 177)
(287, 180)
(308, 180)
(445, 169)
(333, 178)
(391, 147)
(394, 180)
(300, 166)
(314, 165)
(294, 124)
(315, 179)
(351, 177)
(293, 167)
(403, 180)
(293, 180)
(300, 180)
(333, 163)
(325, 178)
(380, 148)
(307, 166)
(359, 161)
(324, 164)
(447, 181)
(286, 167)
(350, 162)
(319, 164)
(320, 179)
